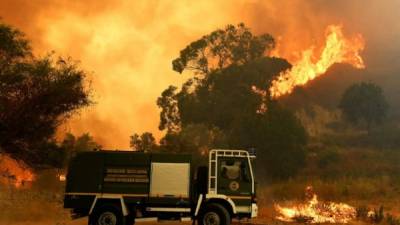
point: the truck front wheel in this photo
(214, 214)
(107, 216)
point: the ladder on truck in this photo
(213, 167)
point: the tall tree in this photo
(228, 66)
(364, 103)
(36, 95)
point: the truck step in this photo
(186, 219)
(147, 219)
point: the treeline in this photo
(220, 107)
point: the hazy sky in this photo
(127, 46)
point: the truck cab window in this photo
(234, 170)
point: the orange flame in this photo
(337, 49)
(316, 212)
(14, 172)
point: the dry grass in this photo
(359, 177)
(24, 206)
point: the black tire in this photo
(107, 215)
(214, 214)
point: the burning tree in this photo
(36, 95)
(337, 49)
(227, 65)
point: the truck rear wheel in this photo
(214, 214)
(107, 216)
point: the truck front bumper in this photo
(254, 210)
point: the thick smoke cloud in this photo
(128, 45)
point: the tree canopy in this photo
(221, 48)
(36, 95)
(364, 103)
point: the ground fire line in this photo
(315, 211)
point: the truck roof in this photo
(128, 157)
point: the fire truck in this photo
(121, 187)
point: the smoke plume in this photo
(127, 46)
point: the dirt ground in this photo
(83, 221)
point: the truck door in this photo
(234, 177)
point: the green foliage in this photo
(72, 145)
(382, 137)
(374, 216)
(278, 137)
(194, 138)
(169, 116)
(364, 102)
(227, 94)
(36, 95)
(338, 189)
(378, 215)
(330, 156)
(392, 220)
(385, 137)
(221, 48)
(52, 154)
(362, 212)
(144, 142)
(13, 45)
(85, 142)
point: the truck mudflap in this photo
(199, 202)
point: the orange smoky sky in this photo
(127, 46)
